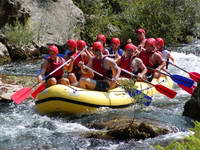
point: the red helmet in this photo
(115, 41)
(81, 44)
(140, 31)
(97, 46)
(101, 37)
(150, 41)
(160, 42)
(130, 47)
(72, 43)
(53, 48)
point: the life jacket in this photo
(145, 57)
(125, 63)
(68, 53)
(97, 65)
(54, 65)
(119, 51)
(76, 69)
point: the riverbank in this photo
(10, 84)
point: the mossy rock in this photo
(4, 60)
(125, 129)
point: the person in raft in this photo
(115, 51)
(130, 62)
(152, 59)
(103, 65)
(81, 45)
(71, 48)
(141, 39)
(49, 65)
(160, 45)
(102, 38)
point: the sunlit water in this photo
(23, 128)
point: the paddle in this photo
(193, 75)
(131, 94)
(187, 89)
(19, 96)
(160, 88)
(176, 78)
(39, 89)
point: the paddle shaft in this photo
(96, 72)
(160, 71)
(136, 76)
(178, 67)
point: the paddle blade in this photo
(166, 91)
(182, 80)
(19, 96)
(195, 76)
(137, 92)
(38, 90)
(187, 89)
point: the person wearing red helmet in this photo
(131, 63)
(160, 45)
(81, 44)
(115, 51)
(103, 65)
(151, 58)
(49, 65)
(102, 38)
(141, 37)
(71, 48)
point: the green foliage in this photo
(171, 19)
(190, 143)
(19, 34)
(128, 84)
(130, 87)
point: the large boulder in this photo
(192, 107)
(52, 21)
(126, 129)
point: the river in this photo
(23, 128)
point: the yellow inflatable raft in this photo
(70, 99)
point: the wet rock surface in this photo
(9, 85)
(50, 21)
(192, 107)
(126, 129)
